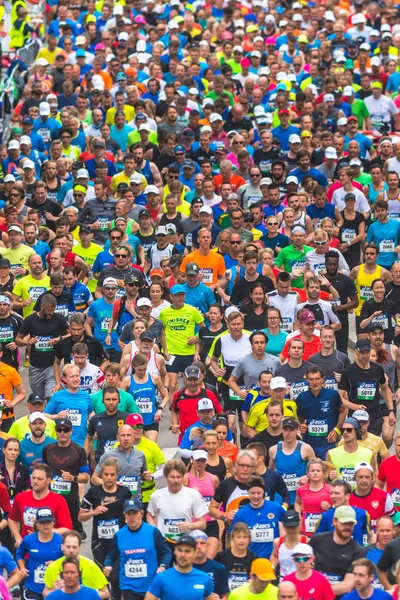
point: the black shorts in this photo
(212, 529)
(375, 425)
(152, 427)
(358, 328)
(180, 363)
(129, 595)
(30, 595)
(231, 407)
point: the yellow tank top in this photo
(363, 285)
(344, 462)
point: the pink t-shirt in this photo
(311, 502)
(316, 587)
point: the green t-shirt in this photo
(359, 110)
(363, 179)
(126, 402)
(213, 95)
(179, 327)
(154, 458)
(89, 255)
(289, 258)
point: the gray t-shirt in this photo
(334, 363)
(130, 468)
(250, 368)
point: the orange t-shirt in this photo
(309, 347)
(228, 450)
(236, 181)
(211, 267)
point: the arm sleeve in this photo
(164, 554)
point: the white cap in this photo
(118, 10)
(13, 145)
(374, 33)
(342, 121)
(386, 34)
(264, 181)
(329, 98)
(259, 111)
(355, 162)
(84, 173)
(329, 16)
(135, 178)
(110, 281)
(207, 102)
(25, 139)
(297, 18)
(205, 404)
(292, 179)
(144, 127)
(161, 230)
(348, 91)
(258, 38)
(237, 49)
(330, 152)
(313, 88)
(123, 36)
(385, 27)
(303, 549)
(363, 465)
(205, 128)
(281, 75)
(200, 455)
(277, 383)
(214, 117)
(8, 178)
(44, 108)
(230, 310)
(269, 19)
(294, 139)
(143, 302)
(173, 25)
(140, 45)
(80, 40)
(359, 18)
(256, 53)
(36, 415)
(283, 23)
(365, 46)
(206, 209)
(151, 189)
(341, 58)
(42, 62)
(28, 164)
(375, 61)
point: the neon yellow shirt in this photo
(28, 287)
(92, 575)
(89, 255)
(18, 257)
(154, 458)
(122, 178)
(20, 428)
(179, 327)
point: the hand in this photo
(175, 429)
(192, 340)
(107, 571)
(27, 302)
(32, 341)
(96, 225)
(8, 404)
(166, 357)
(19, 271)
(146, 475)
(392, 419)
(343, 247)
(325, 505)
(24, 571)
(332, 436)
(158, 416)
(67, 476)
(107, 341)
(337, 376)
(100, 510)
(59, 584)
(297, 272)
(303, 480)
(56, 388)
(49, 216)
(242, 394)
(304, 427)
(12, 346)
(197, 356)
(159, 570)
(54, 341)
(219, 372)
(377, 313)
(185, 526)
(17, 540)
(333, 474)
(323, 280)
(230, 514)
(63, 414)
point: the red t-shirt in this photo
(337, 185)
(309, 347)
(4, 499)
(316, 587)
(25, 507)
(186, 406)
(311, 502)
(377, 503)
(389, 473)
(69, 260)
(116, 307)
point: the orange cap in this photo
(262, 567)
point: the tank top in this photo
(373, 193)
(363, 285)
(345, 462)
(145, 396)
(301, 221)
(218, 470)
(285, 554)
(393, 206)
(146, 171)
(205, 487)
(152, 367)
(291, 467)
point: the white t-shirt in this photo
(381, 110)
(361, 201)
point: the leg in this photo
(212, 530)
(151, 435)
(49, 382)
(37, 381)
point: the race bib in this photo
(381, 320)
(310, 522)
(234, 396)
(172, 529)
(207, 276)
(287, 324)
(107, 529)
(6, 334)
(296, 388)
(365, 292)
(348, 235)
(45, 133)
(109, 445)
(43, 344)
(59, 486)
(207, 500)
(136, 568)
(333, 578)
(105, 322)
(262, 534)
(319, 268)
(129, 481)
(75, 417)
(29, 516)
(298, 264)
(61, 309)
(386, 246)
(189, 239)
(236, 580)
(291, 480)
(38, 575)
(366, 391)
(318, 427)
(396, 496)
(34, 292)
(331, 384)
(347, 473)
(145, 405)
(103, 223)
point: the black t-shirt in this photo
(70, 458)
(54, 208)
(121, 274)
(388, 308)
(362, 386)
(9, 327)
(42, 354)
(346, 288)
(127, 336)
(167, 221)
(238, 567)
(393, 292)
(389, 559)
(106, 428)
(268, 440)
(264, 159)
(106, 524)
(97, 353)
(63, 302)
(334, 363)
(331, 559)
(350, 228)
(199, 155)
(252, 321)
(207, 337)
(231, 494)
(146, 241)
(295, 377)
(242, 288)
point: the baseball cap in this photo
(187, 540)
(25, 139)
(206, 209)
(198, 534)
(177, 289)
(179, 149)
(13, 145)
(294, 139)
(134, 419)
(345, 514)
(329, 98)
(360, 415)
(35, 399)
(350, 196)
(330, 152)
(110, 281)
(363, 345)
(192, 268)
(84, 229)
(36, 415)
(80, 53)
(161, 230)
(292, 179)
(27, 120)
(44, 514)
(144, 127)
(193, 371)
(156, 273)
(262, 567)
(353, 422)
(363, 465)
(188, 164)
(144, 213)
(151, 189)
(64, 423)
(143, 302)
(98, 143)
(355, 162)
(214, 117)
(44, 109)
(15, 228)
(277, 383)
(303, 550)
(133, 504)
(205, 403)
(291, 518)
(188, 133)
(200, 455)
(342, 121)
(28, 164)
(146, 335)
(4, 300)
(84, 173)
(283, 111)
(9, 177)
(290, 422)
(307, 317)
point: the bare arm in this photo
(345, 586)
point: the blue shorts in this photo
(180, 364)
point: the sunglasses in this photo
(272, 223)
(239, 242)
(133, 284)
(78, 195)
(320, 243)
(121, 255)
(14, 195)
(174, 176)
(347, 429)
(62, 430)
(136, 427)
(116, 239)
(301, 559)
(110, 289)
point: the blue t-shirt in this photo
(386, 237)
(393, 82)
(39, 553)
(103, 260)
(6, 560)
(320, 213)
(79, 407)
(263, 523)
(377, 595)
(283, 136)
(363, 141)
(200, 296)
(84, 593)
(171, 584)
(31, 454)
(101, 312)
(80, 297)
(321, 413)
(361, 528)
(218, 574)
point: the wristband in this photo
(392, 410)
(329, 285)
(337, 430)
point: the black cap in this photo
(4, 262)
(291, 518)
(187, 540)
(44, 514)
(132, 504)
(35, 399)
(131, 278)
(146, 335)
(77, 164)
(64, 423)
(192, 268)
(85, 229)
(350, 196)
(374, 326)
(289, 422)
(363, 345)
(144, 213)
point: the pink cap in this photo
(270, 40)
(100, 46)
(134, 419)
(245, 62)
(140, 19)
(227, 35)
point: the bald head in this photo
(287, 591)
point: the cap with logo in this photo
(307, 317)
(360, 415)
(290, 422)
(186, 540)
(192, 269)
(362, 345)
(143, 302)
(35, 399)
(161, 230)
(133, 504)
(4, 300)
(278, 383)
(291, 518)
(64, 423)
(205, 404)
(193, 372)
(134, 419)
(110, 281)
(44, 514)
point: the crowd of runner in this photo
(200, 232)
